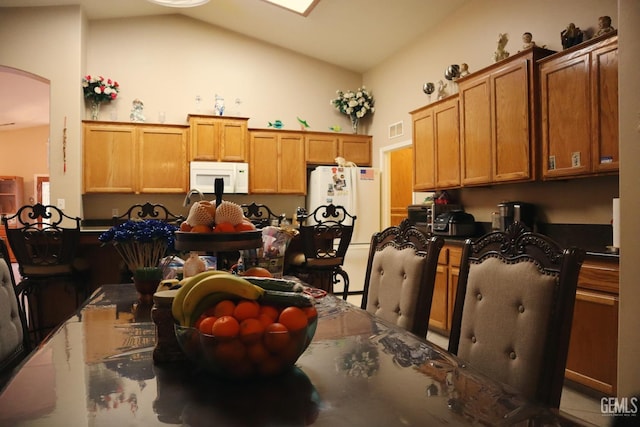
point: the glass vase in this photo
(95, 110)
(354, 124)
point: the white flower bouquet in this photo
(355, 104)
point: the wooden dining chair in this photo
(15, 344)
(513, 310)
(260, 215)
(44, 241)
(325, 235)
(149, 211)
(400, 276)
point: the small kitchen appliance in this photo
(423, 216)
(456, 223)
(510, 212)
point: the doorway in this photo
(397, 182)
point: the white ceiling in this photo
(353, 34)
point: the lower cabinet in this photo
(593, 347)
(444, 293)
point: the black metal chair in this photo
(400, 278)
(513, 310)
(46, 254)
(149, 211)
(260, 215)
(15, 344)
(325, 235)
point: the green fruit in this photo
(185, 286)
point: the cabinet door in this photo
(163, 160)
(356, 149)
(592, 358)
(110, 159)
(566, 117)
(447, 143)
(263, 164)
(438, 316)
(424, 161)
(604, 63)
(204, 139)
(511, 123)
(233, 140)
(292, 170)
(475, 131)
(321, 149)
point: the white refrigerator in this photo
(358, 190)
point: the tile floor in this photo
(584, 407)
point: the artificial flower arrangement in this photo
(142, 243)
(355, 104)
(98, 89)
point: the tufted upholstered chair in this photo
(14, 338)
(400, 276)
(513, 310)
(149, 211)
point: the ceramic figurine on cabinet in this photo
(136, 111)
(464, 69)
(501, 53)
(441, 89)
(527, 40)
(571, 36)
(604, 25)
(218, 107)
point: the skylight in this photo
(179, 3)
(302, 7)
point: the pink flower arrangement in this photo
(98, 89)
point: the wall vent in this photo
(396, 129)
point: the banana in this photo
(227, 283)
(185, 286)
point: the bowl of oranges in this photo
(241, 338)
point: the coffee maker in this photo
(510, 212)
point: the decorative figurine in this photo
(464, 69)
(501, 53)
(441, 89)
(276, 124)
(303, 123)
(218, 107)
(136, 112)
(452, 72)
(527, 40)
(428, 88)
(604, 25)
(335, 128)
(571, 36)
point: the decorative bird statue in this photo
(276, 124)
(303, 123)
(336, 128)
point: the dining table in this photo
(98, 369)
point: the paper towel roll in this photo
(616, 222)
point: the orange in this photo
(251, 330)
(270, 311)
(224, 308)
(257, 272)
(257, 352)
(294, 318)
(229, 352)
(311, 312)
(245, 226)
(206, 324)
(224, 227)
(201, 228)
(265, 319)
(226, 326)
(276, 337)
(246, 309)
(184, 226)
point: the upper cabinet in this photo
(323, 148)
(219, 138)
(580, 109)
(135, 158)
(499, 112)
(277, 163)
(436, 145)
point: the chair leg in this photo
(345, 280)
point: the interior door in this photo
(401, 186)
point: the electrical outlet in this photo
(115, 212)
(60, 204)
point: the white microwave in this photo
(234, 175)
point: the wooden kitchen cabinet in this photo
(436, 145)
(135, 158)
(499, 112)
(444, 292)
(322, 148)
(593, 347)
(218, 138)
(579, 105)
(11, 194)
(277, 163)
